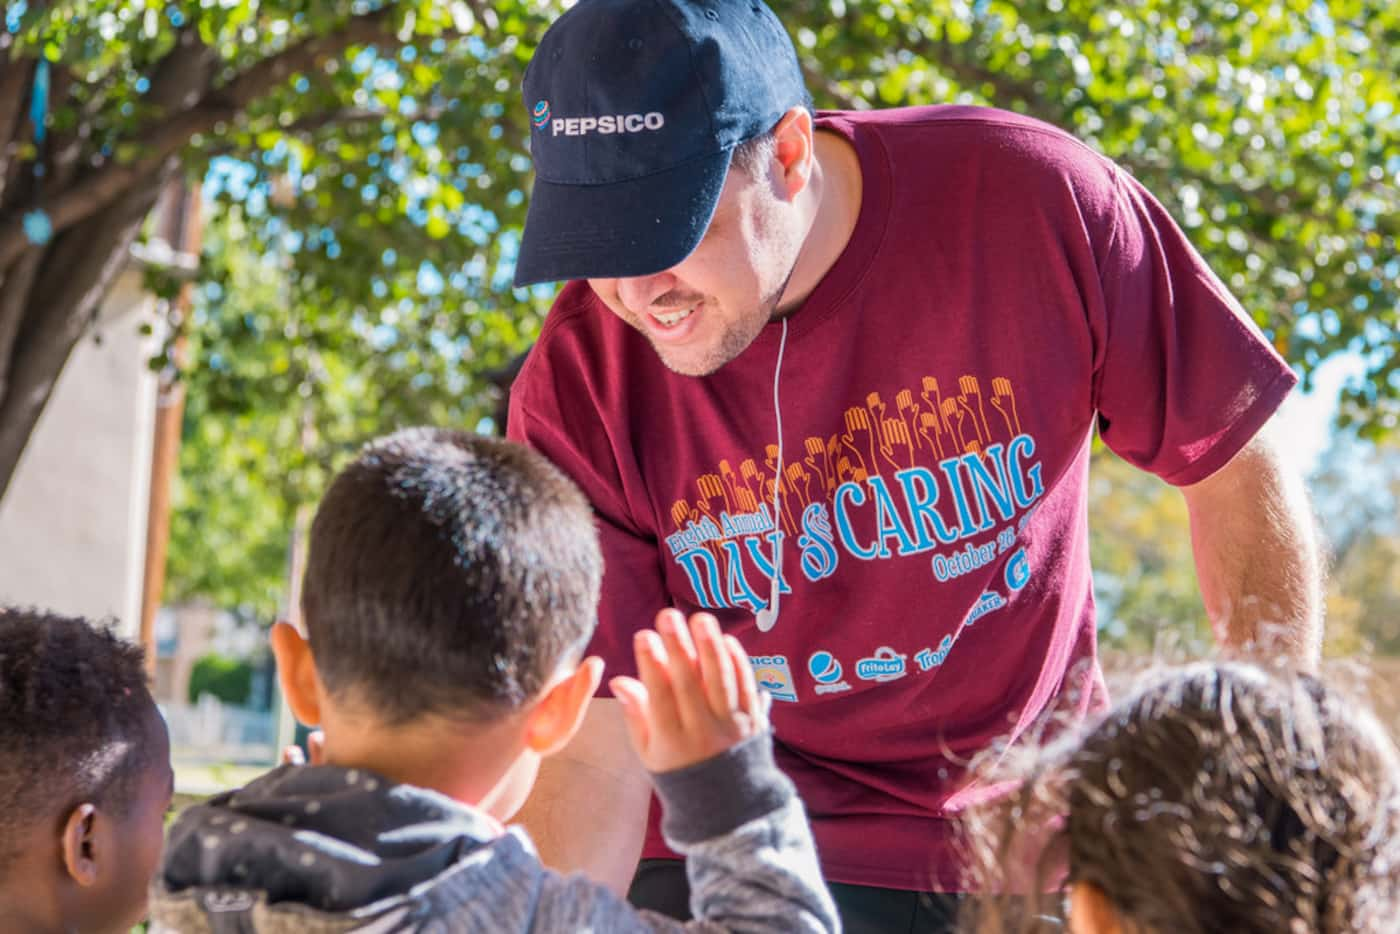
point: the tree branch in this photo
(91, 194)
(349, 116)
(484, 15)
(74, 276)
(15, 290)
(305, 55)
(843, 99)
(14, 82)
(1005, 89)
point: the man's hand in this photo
(697, 696)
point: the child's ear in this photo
(1090, 911)
(80, 844)
(559, 713)
(296, 670)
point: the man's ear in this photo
(79, 844)
(794, 150)
(1091, 912)
(296, 670)
(557, 715)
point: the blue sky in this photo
(1307, 418)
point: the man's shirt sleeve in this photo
(633, 586)
(1183, 377)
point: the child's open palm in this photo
(695, 696)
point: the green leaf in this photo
(438, 227)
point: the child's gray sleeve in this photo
(749, 854)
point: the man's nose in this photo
(638, 293)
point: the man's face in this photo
(703, 312)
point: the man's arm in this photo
(588, 810)
(1256, 554)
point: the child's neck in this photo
(22, 916)
(463, 761)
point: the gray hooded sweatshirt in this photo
(312, 849)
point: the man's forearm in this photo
(587, 812)
(1256, 556)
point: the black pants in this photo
(660, 885)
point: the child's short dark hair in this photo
(449, 574)
(75, 719)
(1220, 797)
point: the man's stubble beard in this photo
(735, 339)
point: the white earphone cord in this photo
(769, 615)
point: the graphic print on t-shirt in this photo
(934, 475)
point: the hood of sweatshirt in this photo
(324, 848)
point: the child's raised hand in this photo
(696, 696)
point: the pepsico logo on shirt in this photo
(774, 676)
(539, 115)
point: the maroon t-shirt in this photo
(1005, 288)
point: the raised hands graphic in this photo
(859, 439)
(847, 472)
(897, 438)
(754, 478)
(799, 486)
(714, 497)
(1004, 401)
(744, 498)
(931, 430)
(876, 406)
(820, 464)
(875, 435)
(866, 430)
(964, 433)
(764, 484)
(949, 445)
(908, 408)
(970, 400)
(833, 457)
(770, 458)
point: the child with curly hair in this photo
(1219, 797)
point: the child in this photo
(1219, 798)
(85, 777)
(451, 587)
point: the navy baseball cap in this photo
(635, 109)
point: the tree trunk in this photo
(72, 279)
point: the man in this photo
(835, 379)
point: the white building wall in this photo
(73, 522)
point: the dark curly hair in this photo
(449, 574)
(1220, 797)
(75, 719)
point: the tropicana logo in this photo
(607, 124)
